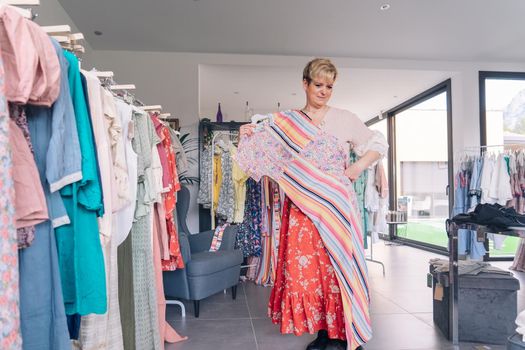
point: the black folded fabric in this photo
(492, 215)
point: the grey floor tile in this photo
(212, 309)
(380, 304)
(214, 335)
(413, 301)
(254, 291)
(427, 317)
(257, 298)
(269, 338)
(403, 331)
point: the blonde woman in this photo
(321, 283)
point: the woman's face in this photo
(318, 91)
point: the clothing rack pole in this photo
(489, 146)
(371, 258)
(215, 134)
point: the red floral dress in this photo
(306, 295)
(169, 197)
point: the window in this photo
(502, 111)
(420, 165)
(422, 169)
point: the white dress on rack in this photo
(500, 192)
(104, 331)
(125, 215)
(486, 176)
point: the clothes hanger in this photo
(257, 118)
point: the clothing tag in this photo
(438, 293)
(131, 130)
(480, 236)
(429, 280)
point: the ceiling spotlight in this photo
(236, 92)
(395, 96)
(384, 7)
(98, 32)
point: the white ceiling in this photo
(364, 91)
(481, 30)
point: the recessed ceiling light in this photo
(395, 96)
(236, 92)
(294, 93)
(384, 7)
(98, 32)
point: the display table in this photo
(453, 290)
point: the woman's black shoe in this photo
(336, 344)
(320, 342)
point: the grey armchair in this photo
(205, 272)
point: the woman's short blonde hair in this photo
(319, 68)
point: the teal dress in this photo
(359, 188)
(80, 255)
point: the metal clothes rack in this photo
(371, 258)
(489, 146)
(453, 290)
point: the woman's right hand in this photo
(246, 130)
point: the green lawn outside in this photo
(433, 231)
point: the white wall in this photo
(51, 13)
(172, 80)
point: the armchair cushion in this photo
(207, 263)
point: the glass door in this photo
(422, 166)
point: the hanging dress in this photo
(79, 250)
(103, 331)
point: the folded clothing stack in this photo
(493, 216)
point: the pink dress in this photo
(31, 64)
(20, 59)
(30, 202)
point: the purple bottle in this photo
(219, 114)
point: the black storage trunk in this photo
(487, 307)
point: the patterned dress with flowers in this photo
(306, 296)
(9, 293)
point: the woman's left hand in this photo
(353, 171)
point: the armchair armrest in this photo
(229, 237)
(201, 242)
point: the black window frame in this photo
(445, 86)
(483, 76)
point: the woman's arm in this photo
(370, 146)
(355, 169)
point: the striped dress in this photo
(285, 148)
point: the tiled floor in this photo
(401, 312)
